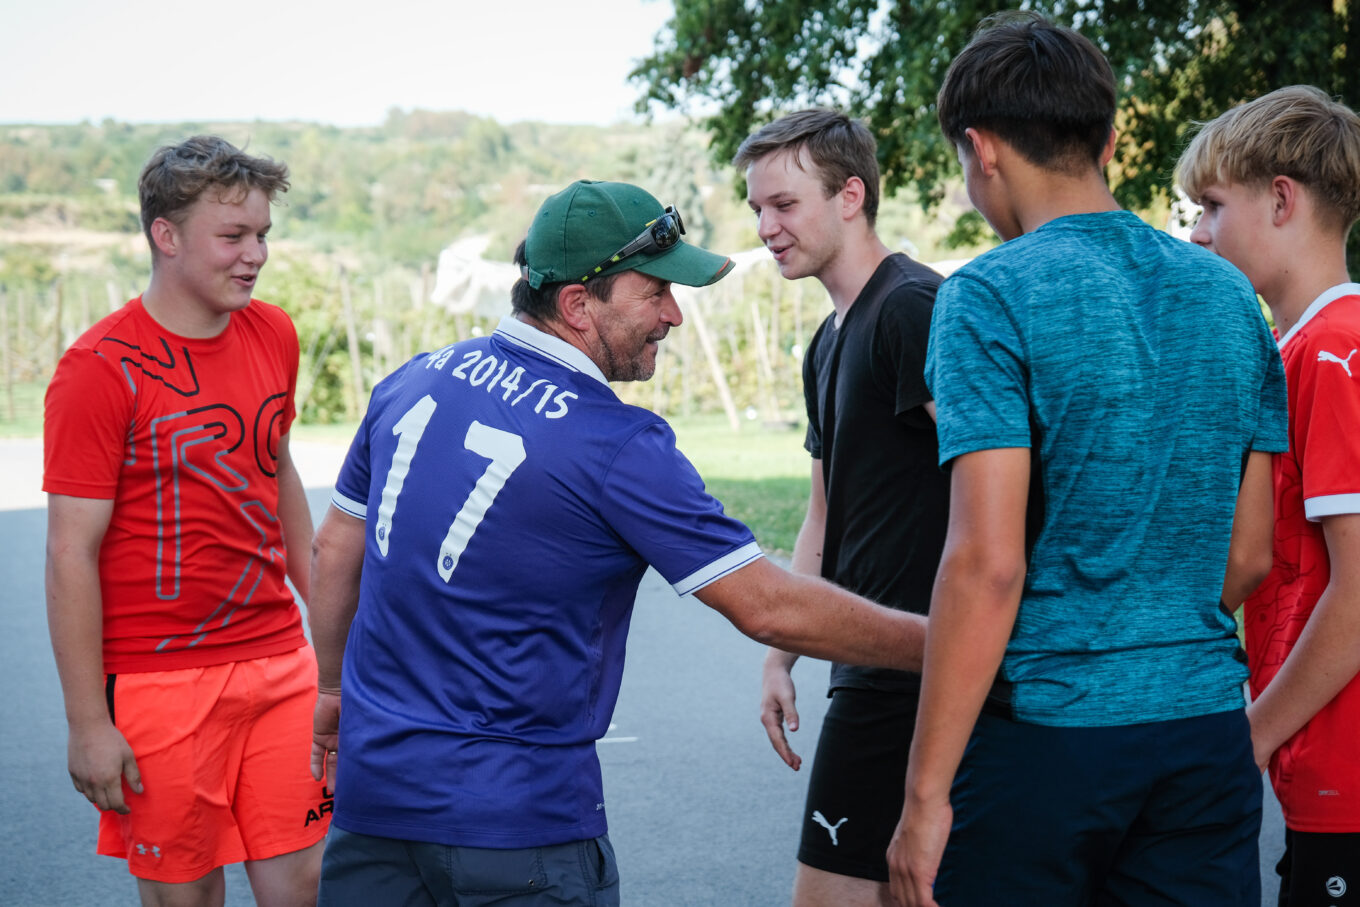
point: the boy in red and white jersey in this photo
(175, 517)
(1279, 180)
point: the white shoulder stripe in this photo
(349, 505)
(1331, 505)
(718, 569)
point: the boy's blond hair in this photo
(1298, 132)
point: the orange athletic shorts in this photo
(224, 754)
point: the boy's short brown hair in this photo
(177, 175)
(1298, 132)
(838, 147)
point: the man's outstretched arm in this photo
(809, 616)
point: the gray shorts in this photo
(360, 870)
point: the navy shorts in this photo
(361, 870)
(1319, 869)
(855, 793)
(1150, 814)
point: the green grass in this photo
(761, 475)
(773, 508)
(753, 452)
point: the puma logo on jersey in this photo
(830, 829)
(1324, 356)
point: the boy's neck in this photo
(1301, 284)
(161, 300)
(846, 276)
(1039, 196)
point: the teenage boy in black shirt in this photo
(876, 517)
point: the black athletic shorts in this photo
(1319, 870)
(855, 790)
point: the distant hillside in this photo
(356, 242)
(394, 194)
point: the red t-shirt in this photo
(1317, 772)
(182, 434)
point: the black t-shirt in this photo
(887, 500)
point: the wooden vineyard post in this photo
(714, 365)
(354, 403)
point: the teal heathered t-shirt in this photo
(1139, 370)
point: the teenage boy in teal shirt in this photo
(1097, 440)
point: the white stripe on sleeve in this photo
(718, 569)
(349, 505)
(1331, 505)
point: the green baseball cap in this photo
(585, 225)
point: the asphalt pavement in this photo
(701, 811)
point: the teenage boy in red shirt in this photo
(174, 515)
(1279, 180)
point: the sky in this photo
(344, 62)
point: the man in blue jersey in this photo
(475, 575)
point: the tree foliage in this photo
(742, 63)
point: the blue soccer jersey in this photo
(512, 503)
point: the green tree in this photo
(747, 61)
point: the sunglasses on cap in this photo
(658, 236)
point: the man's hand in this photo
(777, 696)
(325, 736)
(915, 851)
(98, 758)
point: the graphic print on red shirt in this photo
(183, 435)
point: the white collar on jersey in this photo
(1317, 305)
(548, 346)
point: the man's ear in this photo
(165, 235)
(1284, 199)
(852, 197)
(573, 303)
